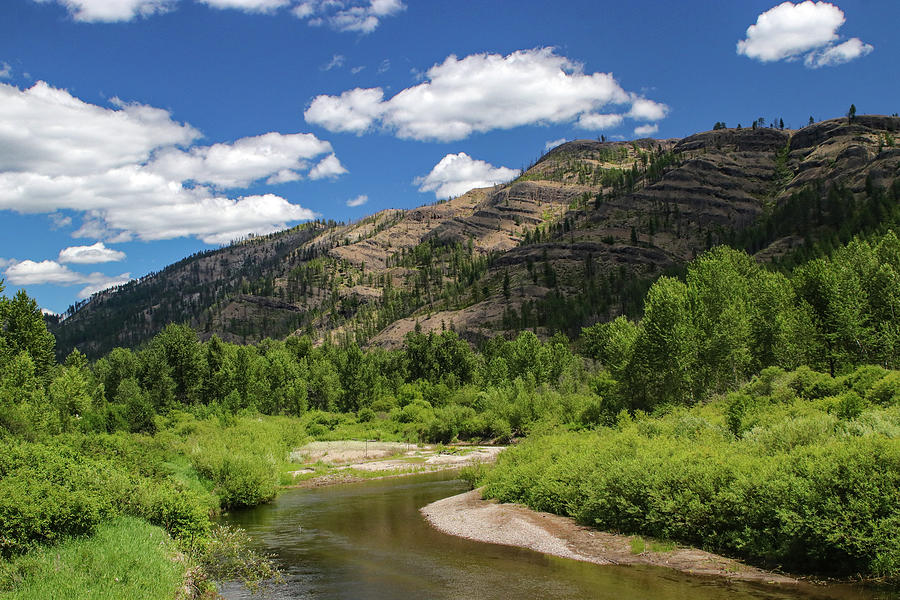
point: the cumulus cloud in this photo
(5, 70)
(129, 170)
(647, 110)
(595, 122)
(86, 255)
(456, 174)
(479, 93)
(242, 162)
(348, 15)
(809, 29)
(215, 220)
(838, 55)
(108, 11)
(29, 272)
(550, 145)
(645, 130)
(353, 111)
(358, 201)
(48, 130)
(329, 166)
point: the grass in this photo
(126, 558)
(639, 545)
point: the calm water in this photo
(368, 540)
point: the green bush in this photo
(182, 513)
(786, 483)
(47, 493)
(886, 391)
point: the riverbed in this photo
(368, 540)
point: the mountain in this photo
(577, 238)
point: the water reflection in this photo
(369, 541)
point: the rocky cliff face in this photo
(576, 238)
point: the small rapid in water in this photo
(369, 541)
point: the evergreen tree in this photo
(22, 329)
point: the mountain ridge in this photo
(576, 238)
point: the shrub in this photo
(798, 487)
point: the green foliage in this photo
(228, 554)
(127, 558)
(792, 470)
(181, 349)
(22, 329)
(47, 493)
(731, 318)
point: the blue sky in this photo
(135, 132)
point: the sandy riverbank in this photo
(469, 516)
(345, 463)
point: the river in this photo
(368, 540)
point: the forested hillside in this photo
(576, 239)
(180, 428)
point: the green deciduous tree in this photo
(181, 348)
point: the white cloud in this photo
(646, 130)
(336, 62)
(215, 220)
(356, 70)
(242, 162)
(476, 94)
(329, 166)
(47, 130)
(92, 288)
(594, 121)
(456, 174)
(790, 31)
(5, 70)
(353, 111)
(85, 255)
(838, 55)
(348, 15)
(358, 201)
(284, 176)
(550, 145)
(109, 11)
(385, 8)
(4, 262)
(122, 169)
(29, 272)
(59, 220)
(249, 6)
(647, 110)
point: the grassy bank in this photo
(125, 558)
(88, 497)
(796, 470)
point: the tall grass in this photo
(125, 558)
